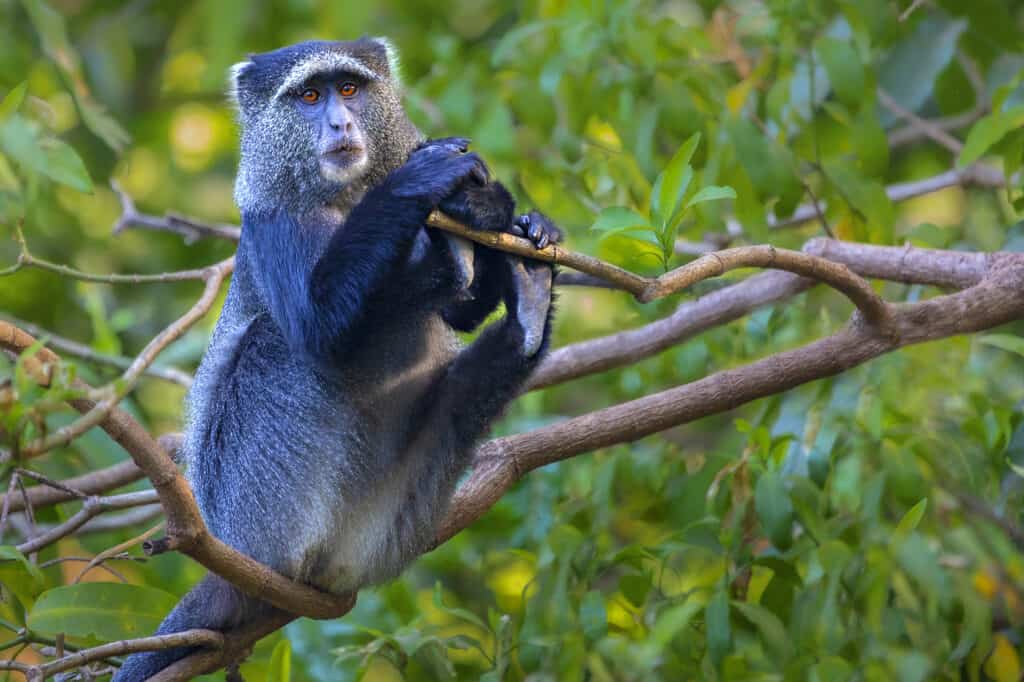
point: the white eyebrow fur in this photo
(325, 62)
(233, 75)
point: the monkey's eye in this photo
(310, 96)
(347, 89)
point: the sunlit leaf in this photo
(911, 518)
(20, 576)
(280, 668)
(773, 631)
(107, 611)
(12, 101)
(987, 132)
(673, 182)
(711, 193)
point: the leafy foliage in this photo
(824, 534)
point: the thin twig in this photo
(92, 506)
(189, 228)
(214, 275)
(118, 549)
(926, 127)
(81, 350)
(26, 260)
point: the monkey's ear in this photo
(235, 75)
(391, 54)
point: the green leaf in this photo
(1007, 342)
(711, 193)
(49, 24)
(619, 219)
(673, 182)
(769, 165)
(461, 614)
(867, 198)
(593, 615)
(635, 587)
(909, 71)
(12, 101)
(107, 611)
(49, 156)
(433, 656)
(830, 669)
(911, 518)
(773, 632)
(63, 165)
(511, 43)
(987, 132)
(671, 622)
(845, 72)
(280, 668)
(19, 575)
(919, 560)
(774, 509)
(719, 632)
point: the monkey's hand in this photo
(435, 169)
(536, 227)
(488, 207)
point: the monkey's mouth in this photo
(344, 155)
(343, 163)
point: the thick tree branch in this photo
(995, 296)
(996, 299)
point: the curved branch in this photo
(836, 275)
(186, 530)
(200, 638)
(997, 297)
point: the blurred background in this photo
(621, 564)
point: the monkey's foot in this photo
(532, 283)
(536, 227)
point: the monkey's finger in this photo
(536, 231)
(516, 230)
(450, 144)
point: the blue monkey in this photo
(335, 410)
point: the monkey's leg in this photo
(488, 374)
(489, 282)
(212, 604)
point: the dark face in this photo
(333, 104)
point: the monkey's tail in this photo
(213, 604)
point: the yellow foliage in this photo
(1003, 665)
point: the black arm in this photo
(317, 294)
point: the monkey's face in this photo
(318, 118)
(332, 106)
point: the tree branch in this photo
(996, 297)
(186, 530)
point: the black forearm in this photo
(361, 256)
